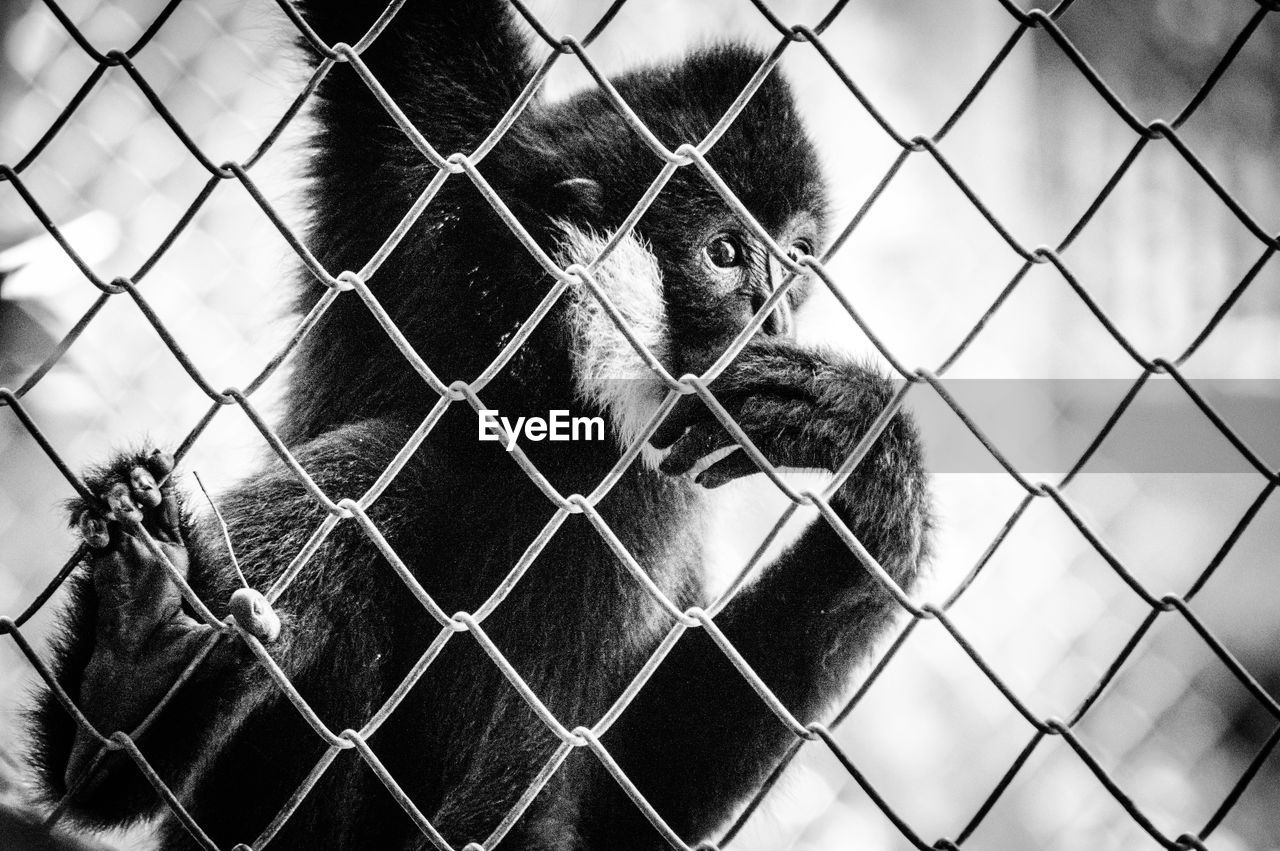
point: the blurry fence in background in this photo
(1137, 140)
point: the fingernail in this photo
(94, 530)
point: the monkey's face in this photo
(719, 281)
(716, 274)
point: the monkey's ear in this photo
(577, 196)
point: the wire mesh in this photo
(468, 166)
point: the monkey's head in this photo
(715, 272)
(694, 273)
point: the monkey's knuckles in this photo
(760, 372)
(772, 423)
(93, 529)
(160, 463)
(686, 412)
(129, 502)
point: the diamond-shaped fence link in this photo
(692, 154)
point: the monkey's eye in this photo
(799, 249)
(724, 252)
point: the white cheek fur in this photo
(608, 371)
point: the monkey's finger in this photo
(678, 420)
(700, 441)
(93, 529)
(154, 488)
(143, 488)
(254, 615)
(667, 434)
(733, 466)
(160, 463)
(688, 411)
(123, 509)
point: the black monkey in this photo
(464, 744)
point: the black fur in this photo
(464, 745)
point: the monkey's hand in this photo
(799, 407)
(142, 637)
(807, 409)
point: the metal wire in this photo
(341, 508)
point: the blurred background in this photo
(1163, 257)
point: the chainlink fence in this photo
(1200, 667)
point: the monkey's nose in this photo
(779, 322)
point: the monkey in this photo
(463, 744)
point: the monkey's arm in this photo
(698, 739)
(227, 733)
(451, 67)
